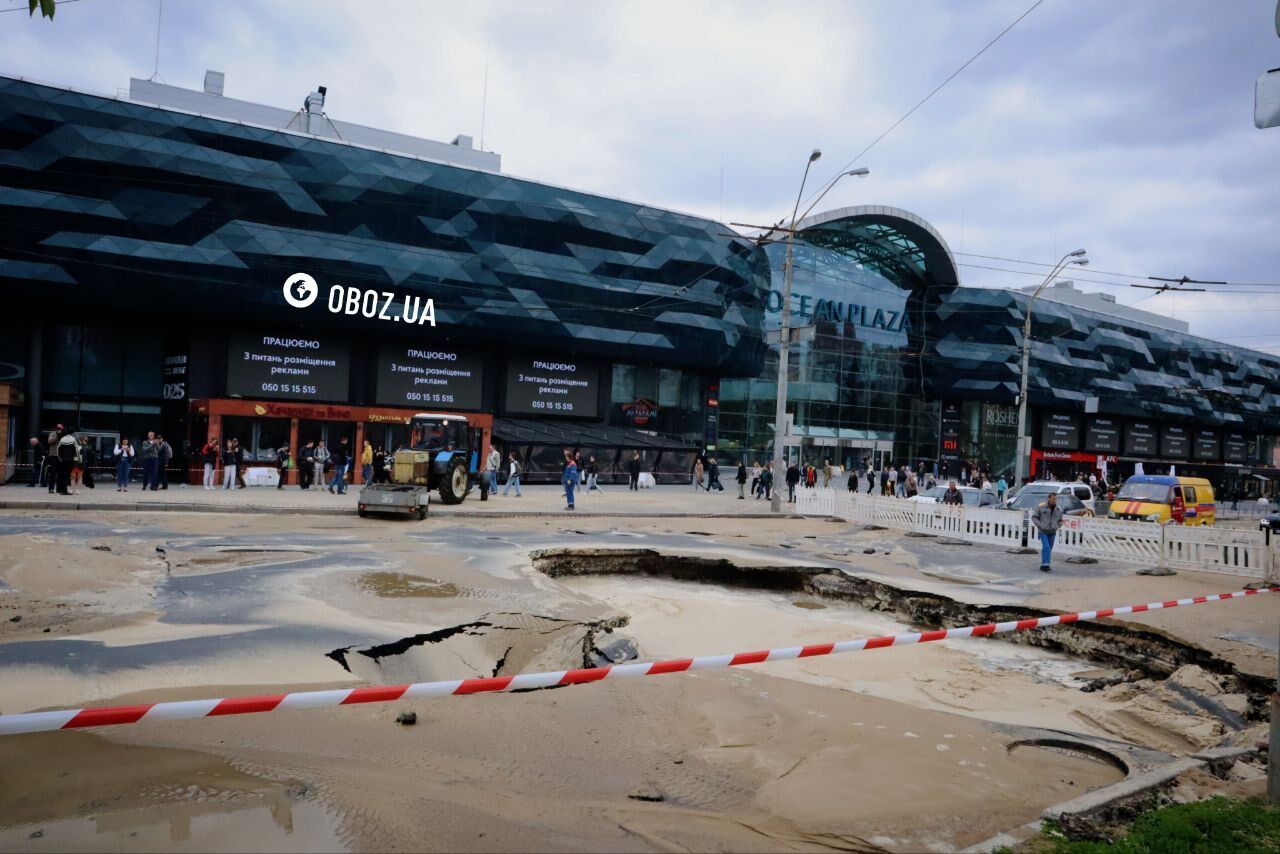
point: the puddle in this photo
(1097, 762)
(810, 606)
(402, 584)
(244, 824)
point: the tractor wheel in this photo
(453, 484)
(361, 512)
(422, 512)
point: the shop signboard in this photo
(552, 386)
(1175, 442)
(434, 377)
(1235, 447)
(1102, 435)
(1207, 445)
(1141, 439)
(950, 433)
(287, 366)
(1061, 431)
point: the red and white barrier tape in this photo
(111, 715)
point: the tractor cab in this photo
(443, 453)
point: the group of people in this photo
(65, 463)
(316, 464)
(705, 475)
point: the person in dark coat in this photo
(742, 480)
(793, 477)
(38, 454)
(633, 468)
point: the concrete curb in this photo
(436, 511)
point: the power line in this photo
(925, 99)
(20, 9)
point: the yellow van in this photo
(1165, 499)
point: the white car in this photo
(1042, 488)
(972, 497)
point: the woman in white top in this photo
(123, 455)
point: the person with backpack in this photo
(514, 470)
(68, 453)
(164, 454)
(209, 456)
(306, 465)
(123, 455)
(338, 457)
(283, 455)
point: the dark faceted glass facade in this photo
(108, 204)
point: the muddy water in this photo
(399, 584)
(92, 795)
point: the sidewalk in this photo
(539, 500)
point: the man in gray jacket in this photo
(1048, 519)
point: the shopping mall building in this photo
(151, 246)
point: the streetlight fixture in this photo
(784, 330)
(1077, 257)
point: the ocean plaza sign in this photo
(841, 313)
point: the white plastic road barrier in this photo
(1109, 539)
(112, 715)
(997, 527)
(1216, 550)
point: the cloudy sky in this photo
(1125, 128)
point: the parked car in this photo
(1040, 488)
(971, 496)
(1165, 499)
(1029, 500)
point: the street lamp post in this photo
(784, 330)
(1076, 257)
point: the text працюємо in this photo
(301, 290)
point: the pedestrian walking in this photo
(38, 453)
(379, 465)
(900, 483)
(952, 496)
(88, 457)
(230, 465)
(792, 478)
(320, 461)
(593, 475)
(307, 465)
(366, 462)
(283, 456)
(569, 477)
(150, 453)
(1002, 486)
(209, 456)
(697, 474)
(826, 474)
(913, 485)
(713, 475)
(514, 470)
(164, 454)
(338, 459)
(77, 468)
(123, 456)
(348, 457)
(1048, 519)
(68, 452)
(871, 480)
(766, 480)
(491, 466)
(52, 465)
(742, 480)
(633, 469)
(755, 478)
(240, 467)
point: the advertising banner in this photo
(553, 386)
(1207, 445)
(287, 366)
(1175, 443)
(1235, 447)
(1141, 438)
(1102, 435)
(434, 377)
(1061, 431)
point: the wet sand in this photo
(902, 749)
